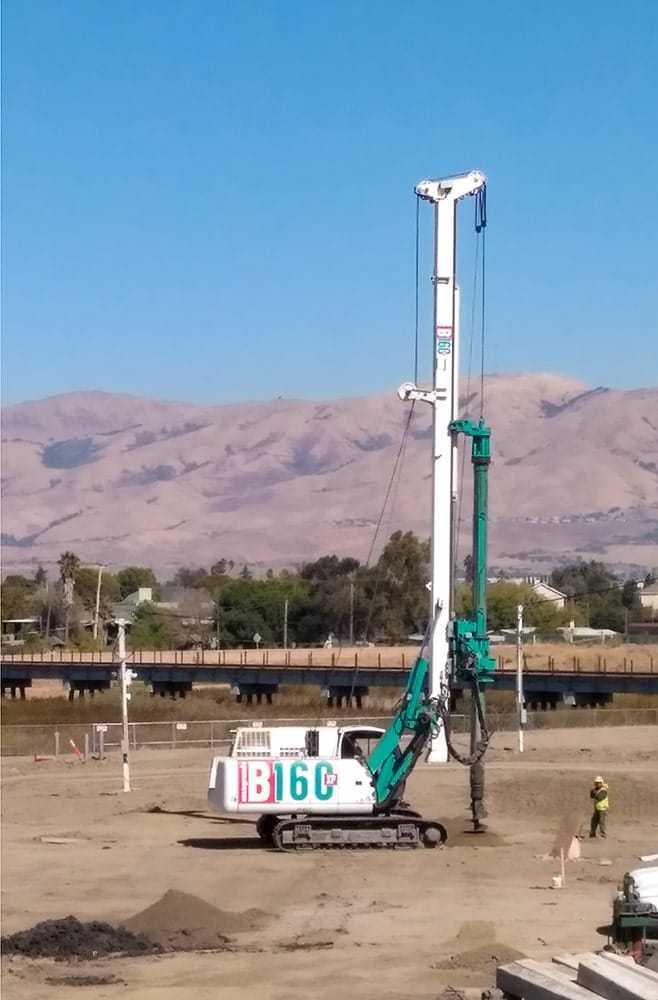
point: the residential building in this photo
(649, 596)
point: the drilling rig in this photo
(315, 787)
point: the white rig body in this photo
(290, 769)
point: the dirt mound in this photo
(467, 838)
(71, 938)
(179, 921)
(484, 958)
(474, 949)
(474, 932)
(85, 981)
(570, 825)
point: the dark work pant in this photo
(599, 820)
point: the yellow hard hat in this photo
(598, 780)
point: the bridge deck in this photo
(369, 668)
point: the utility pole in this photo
(444, 195)
(98, 600)
(68, 604)
(351, 612)
(49, 612)
(125, 742)
(285, 623)
(519, 674)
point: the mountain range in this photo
(124, 479)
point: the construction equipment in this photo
(635, 908)
(315, 787)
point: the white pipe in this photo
(98, 601)
(519, 672)
(125, 742)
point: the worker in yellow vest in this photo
(599, 795)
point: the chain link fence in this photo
(102, 738)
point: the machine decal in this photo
(264, 781)
(443, 339)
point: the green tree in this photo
(400, 579)
(17, 596)
(154, 628)
(503, 598)
(132, 578)
(328, 568)
(222, 567)
(68, 564)
(40, 577)
(333, 588)
(245, 607)
(630, 598)
(86, 583)
(595, 590)
(187, 576)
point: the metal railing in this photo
(611, 661)
(100, 738)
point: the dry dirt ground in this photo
(365, 925)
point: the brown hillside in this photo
(124, 479)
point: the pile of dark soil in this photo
(176, 922)
(179, 921)
(467, 838)
(71, 938)
(485, 958)
(475, 949)
(85, 981)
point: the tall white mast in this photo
(444, 399)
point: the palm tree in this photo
(68, 564)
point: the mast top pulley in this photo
(454, 188)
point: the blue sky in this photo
(212, 200)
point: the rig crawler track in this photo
(394, 831)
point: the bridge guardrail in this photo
(389, 658)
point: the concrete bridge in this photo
(577, 677)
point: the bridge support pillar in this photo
(87, 687)
(15, 688)
(339, 696)
(175, 689)
(254, 694)
(542, 701)
(591, 699)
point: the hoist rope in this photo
(481, 228)
(483, 321)
(391, 482)
(417, 291)
(471, 340)
(392, 485)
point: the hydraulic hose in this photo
(443, 710)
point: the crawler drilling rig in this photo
(312, 786)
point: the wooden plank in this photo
(528, 980)
(628, 962)
(614, 981)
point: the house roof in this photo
(547, 586)
(651, 589)
(585, 632)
